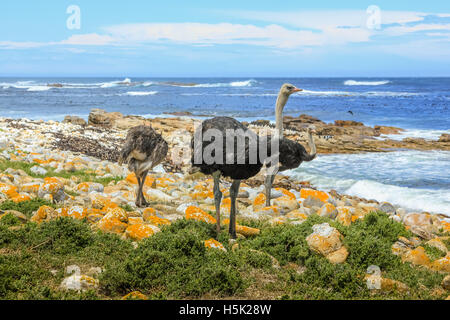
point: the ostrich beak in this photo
(297, 90)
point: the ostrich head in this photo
(285, 92)
(287, 89)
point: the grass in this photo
(82, 175)
(174, 264)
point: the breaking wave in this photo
(366, 83)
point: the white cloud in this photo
(91, 39)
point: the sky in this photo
(147, 38)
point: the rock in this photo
(438, 244)
(286, 204)
(155, 194)
(385, 285)
(416, 257)
(388, 130)
(141, 231)
(322, 196)
(328, 211)
(214, 244)
(127, 123)
(446, 283)
(445, 137)
(421, 220)
(99, 117)
(421, 232)
(441, 265)
(259, 202)
(111, 225)
(17, 214)
(77, 281)
(38, 170)
(313, 202)
(88, 187)
(44, 213)
(195, 213)
(386, 207)
(324, 239)
(75, 120)
(344, 215)
(53, 187)
(135, 295)
(338, 256)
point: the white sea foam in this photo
(365, 83)
(355, 94)
(140, 93)
(247, 83)
(39, 88)
(414, 180)
(417, 133)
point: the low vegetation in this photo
(175, 264)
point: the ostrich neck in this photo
(281, 102)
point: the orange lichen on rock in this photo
(287, 193)
(135, 295)
(30, 187)
(247, 231)
(272, 210)
(195, 213)
(214, 244)
(157, 221)
(111, 225)
(259, 202)
(139, 231)
(417, 257)
(345, 215)
(118, 213)
(131, 178)
(322, 196)
(441, 265)
(21, 198)
(9, 190)
(77, 212)
(42, 213)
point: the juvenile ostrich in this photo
(291, 154)
(143, 150)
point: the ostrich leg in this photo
(234, 190)
(144, 202)
(217, 198)
(268, 185)
(138, 193)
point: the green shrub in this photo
(26, 207)
(177, 262)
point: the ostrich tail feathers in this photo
(125, 154)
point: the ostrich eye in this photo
(290, 88)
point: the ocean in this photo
(415, 180)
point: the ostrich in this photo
(143, 150)
(291, 154)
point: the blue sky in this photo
(226, 39)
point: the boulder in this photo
(38, 170)
(75, 120)
(324, 239)
(99, 117)
(386, 207)
(446, 283)
(214, 244)
(140, 231)
(445, 137)
(328, 211)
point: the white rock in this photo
(38, 170)
(182, 207)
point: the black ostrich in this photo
(245, 162)
(143, 150)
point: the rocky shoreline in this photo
(72, 165)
